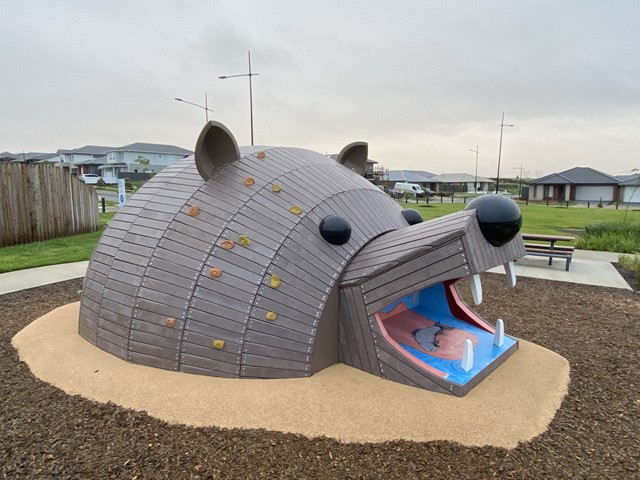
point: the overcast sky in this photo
(422, 82)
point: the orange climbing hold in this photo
(227, 244)
(249, 181)
(296, 210)
(171, 322)
(275, 281)
(215, 272)
(261, 154)
(194, 210)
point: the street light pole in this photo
(475, 180)
(206, 107)
(502, 125)
(250, 74)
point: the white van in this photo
(408, 188)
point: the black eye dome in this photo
(412, 216)
(335, 229)
(499, 218)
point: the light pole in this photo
(206, 108)
(502, 125)
(250, 74)
(475, 180)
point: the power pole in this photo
(502, 125)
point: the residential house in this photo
(30, 157)
(125, 159)
(87, 159)
(581, 184)
(420, 177)
(629, 188)
(463, 182)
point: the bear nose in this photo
(499, 218)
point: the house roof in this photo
(411, 176)
(577, 175)
(626, 180)
(91, 150)
(152, 148)
(460, 178)
(32, 157)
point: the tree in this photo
(144, 162)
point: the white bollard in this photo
(476, 289)
(498, 338)
(467, 355)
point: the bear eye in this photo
(335, 229)
(412, 216)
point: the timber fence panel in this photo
(39, 202)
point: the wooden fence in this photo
(39, 202)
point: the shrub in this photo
(100, 183)
(611, 237)
(631, 263)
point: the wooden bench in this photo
(548, 248)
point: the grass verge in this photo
(75, 248)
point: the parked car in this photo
(90, 178)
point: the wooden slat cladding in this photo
(39, 202)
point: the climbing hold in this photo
(335, 229)
(171, 322)
(296, 210)
(215, 272)
(244, 240)
(271, 316)
(219, 344)
(227, 244)
(275, 188)
(261, 154)
(249, 181)
(194, 210)
(275, 281)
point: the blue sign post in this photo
(122, 195)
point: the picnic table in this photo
(545, 246)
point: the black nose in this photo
(499, 218)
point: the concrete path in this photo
(35, 277)
(587, 267)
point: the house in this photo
(87, 159)
(128, 158)
(629, 188)
(462, 182)
(30, 157)
(420, 177)
(581, 184)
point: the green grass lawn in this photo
(51, 252)
(551, 220)
(536, 219)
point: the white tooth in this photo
(498, 338)
(467, 355)
(476, 289)
(510, 270)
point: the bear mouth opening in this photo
(430, 329)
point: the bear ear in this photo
(354, 156)
(215, 148)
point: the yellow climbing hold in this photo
(244, 240)
(215, 272)
(194, 210)
(249, 181)
(227, 244)
(296, 210)
(275, 281)
(276, 188)
(271, 316)
(261, 154)
(219, 344)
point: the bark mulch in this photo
(45, 433)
